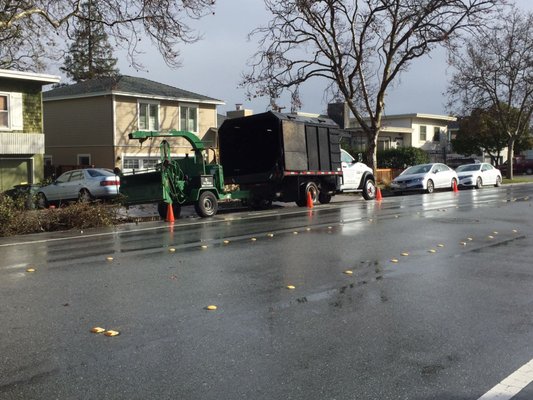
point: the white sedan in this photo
(81, 184)
(479, 174)
(426, 177)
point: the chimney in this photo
(239, 112)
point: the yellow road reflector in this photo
(432, 251)
(204, 246)
(171, 250)
(469, 239)
(515, 231)
(295, 233)
(211, 307)
(30, 270)
(330, 227)
(440, 245)
(348, 272)
(253, 239)
(270, 235)
(97, 329)
(226, 242)
(111, 333)
(495, 233)
(291, 287)
(463, 243)
(491, 237)
(308, 229)
(109, 258)
(394, 260)
(405, 254)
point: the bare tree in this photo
(360, 47)
(29, 28)
(496, 71)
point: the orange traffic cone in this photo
(170, 213)
(309, 200)
(455, 189)
(378, 194)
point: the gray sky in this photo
(213, 66)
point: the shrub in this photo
(14, 220)
(401, 157)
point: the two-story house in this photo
(21, 127)
(88, 123)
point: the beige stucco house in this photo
(21, 127)
(88, 123)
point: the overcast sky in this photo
(213, 66)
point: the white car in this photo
(479, 174)
(357, 177)
(425, 177)
(80, 184)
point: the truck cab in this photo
(354, 173)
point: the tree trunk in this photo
(510, 154)
(371, 152)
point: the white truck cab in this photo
(357, 177)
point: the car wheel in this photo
(207, 205)
(369, 189)
(162, 210)
(430, 187)
(324, 198)
(529, 171)
(479, 183)
(84, 196)
(498, 182)
(42, 202)
(310, 188)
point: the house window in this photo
(436, 134)
(84, 159)
(4, 114)
(423, 133)
(136, 163)
(189, 118)
(148, 116)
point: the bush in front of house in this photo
(16, 220)
(401, 157)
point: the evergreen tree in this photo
(90, 55)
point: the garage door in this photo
(14, 172)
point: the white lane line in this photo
(511, 385)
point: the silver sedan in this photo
(425, 177)
(80, 184)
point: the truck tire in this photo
(162, 210)
(324, 198)
(310, 187)
(369, 189)
(207, 205)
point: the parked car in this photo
(425, 177)
(479, 174)
(520, 166)
(80, 184)
(25, 192)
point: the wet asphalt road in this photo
(448, 320)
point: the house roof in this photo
(127, 86)
(29, 76)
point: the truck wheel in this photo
(311, 188)
(162, 210)
(369, 189)
(207, 205)
(324, 198)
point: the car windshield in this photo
(417, 169)
(99, 172)
(469, 167)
